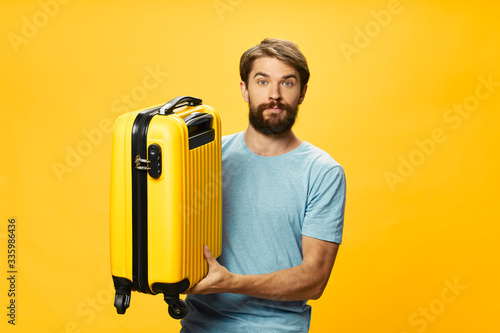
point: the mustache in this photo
(278, 104)
(272, 105)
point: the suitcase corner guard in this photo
(123, 289)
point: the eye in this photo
(288, 83)
(261, 82)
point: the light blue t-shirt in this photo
(268, 204)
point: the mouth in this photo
(274, 110)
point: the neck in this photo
(270, 145)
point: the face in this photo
(273, 93)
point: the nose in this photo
(274, 93)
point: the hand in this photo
(217, 280)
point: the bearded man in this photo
(283, 209)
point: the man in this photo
(283, 209)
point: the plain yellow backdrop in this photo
(404, 94)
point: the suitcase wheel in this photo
(122, 302)
(178, 310)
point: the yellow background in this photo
(422, 225)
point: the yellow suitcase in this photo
(166, 200)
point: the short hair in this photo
(281, 49)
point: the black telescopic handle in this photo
(179, 102)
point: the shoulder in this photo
(230, 139)
(321, 161)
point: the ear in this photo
(244, 91)
(302, 94)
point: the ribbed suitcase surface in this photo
(200, 200)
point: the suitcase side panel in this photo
(216, 181)
(121, 198)
(203, 211)
(166, 195)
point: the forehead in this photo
(272, 67)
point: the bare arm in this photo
(302, 282)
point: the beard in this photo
(272, 124)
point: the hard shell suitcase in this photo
(166, 200)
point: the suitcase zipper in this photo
(140, 202)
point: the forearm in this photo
(301, 282)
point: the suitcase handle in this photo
(176, 103)
(200, 129)
(198, 122)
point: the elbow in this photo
(317, 291)
(315, 282)
(316, 294)
(318, 287)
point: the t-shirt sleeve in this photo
(324, 217)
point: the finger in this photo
(198, 287)
(208, 255)
(192, 290)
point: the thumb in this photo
(208, 255)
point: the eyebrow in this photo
(261, 74)
(290, 76)
(284, 77)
